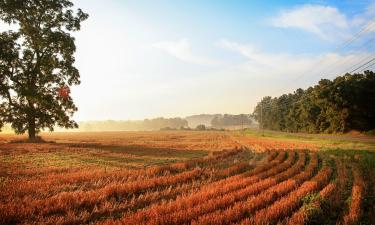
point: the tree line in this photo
(230, 120)
(146, 124)
(340, 105)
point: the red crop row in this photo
(240, 209)
(52, 184)
(285, 206)
(207, 192)
(358, 193)
(112, 207)
(332, 193)
(65, 201)
(188, 212)
(269, 158)
(302, 216)
(277, 191)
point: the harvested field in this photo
(181, 178)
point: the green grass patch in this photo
(323, 141)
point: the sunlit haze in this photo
(144, 59)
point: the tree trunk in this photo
(31, 119)
(31, 130)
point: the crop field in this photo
(183, 177)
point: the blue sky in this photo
(143, 58)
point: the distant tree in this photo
(167, 128)
(230, 120)
(157, 123)
(201, 127)
(37, 64)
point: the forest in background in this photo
(340, 105)
(189, 122)
(133, 125)
(207, 120)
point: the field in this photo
(186, 177)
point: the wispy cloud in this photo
(325, 21)
(370, 13)
(371, 8)
(289, 66)
(182, 50)
(254, 55)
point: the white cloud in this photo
(285, 67)
(370, 12)
(325, 21)
(371, 9)
(365, 19)
(255, 56)
(181, 49)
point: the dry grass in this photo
(179, 178)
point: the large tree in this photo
(37, 64)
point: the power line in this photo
(373, 59)
(368, 66)
(366, 28)
(285, 101)
(337, 62)
(363, 60)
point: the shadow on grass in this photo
(38, 140)
(139, 150)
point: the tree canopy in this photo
(343, 104)
(37, 64)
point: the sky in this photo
(144, 58)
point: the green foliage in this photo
(310, 198)
(341, 105)
(37, 64)
(371, 132)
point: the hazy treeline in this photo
(146, 124)
(218, 120)
(201, 119)
(340, 105)
(230, 120)
(178, 123)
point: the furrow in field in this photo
(285, 206)
(186, 212)
(47, 186)
(66, 201)
(328, 197)
(242, 208)
(208, 191)
(358, 193)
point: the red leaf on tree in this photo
(63, 92)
